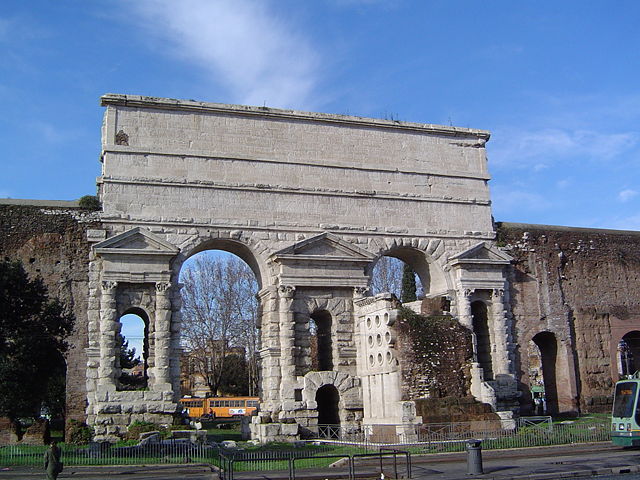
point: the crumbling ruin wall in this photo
(582, 286)
(50, 239)
(435, 354)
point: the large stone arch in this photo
(419, 255)
(235, 242)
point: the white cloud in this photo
(513, 201)
(519, 147)
(626, 195)
(627, 223)
(241, 44)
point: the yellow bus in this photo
(220, 407)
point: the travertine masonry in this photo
(309, 201)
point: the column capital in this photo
(163, 287)
(287, 291)
(109, 286)
(359, 292)
(467, 292)
(497, 293)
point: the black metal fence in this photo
(241, 465)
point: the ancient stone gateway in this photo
(310, 202)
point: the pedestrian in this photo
(52, 463)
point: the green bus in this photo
(625, 417)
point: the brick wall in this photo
(50, 241)
(583, 286)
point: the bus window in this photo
(625, 396)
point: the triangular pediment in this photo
(481, 253)
(136, 241)
(325, 246)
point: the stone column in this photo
(464, 307)
(108, 331)
(176, 347)
(287, 341)
(466, 319)
(501, 334)
(269, 351)
(162, 335)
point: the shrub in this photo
(78, 433)
(138, 427)
(89, 202)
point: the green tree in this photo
(408, 285)
(128, 358)
(33, 329)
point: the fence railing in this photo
(525, 432)
(336, 440)
(391, 461)
(104, 454)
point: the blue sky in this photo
(556, 83)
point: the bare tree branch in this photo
(219, 307)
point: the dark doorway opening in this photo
(327, 398)
(483, 338)
(548, 346)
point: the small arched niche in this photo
(321, 342)
(132, 342)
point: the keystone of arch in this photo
(314, 380)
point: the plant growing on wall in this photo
(439, 352)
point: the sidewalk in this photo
(544, 463)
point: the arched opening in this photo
(482, 338)
(327, 398)
(321, 344)
(387, 273)
(629, 353)
(547, 399)
(219, 332)
(392, 275)
(132, 343)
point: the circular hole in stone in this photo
(389, 358)
(387, 337)
(386, 319)
(368, 322)
(380, 358)
(371, 359)
(377, 320)
(379, 339)
(370, 340)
